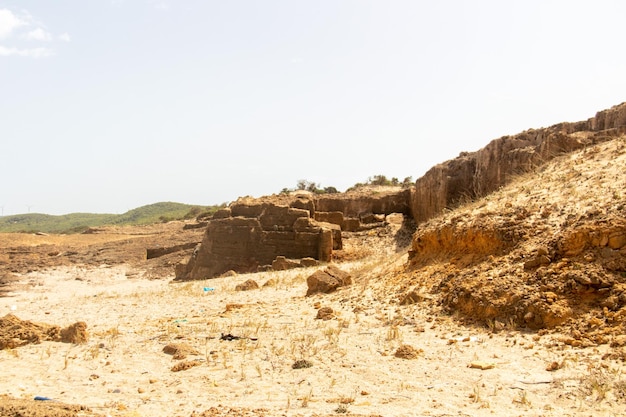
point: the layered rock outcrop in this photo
(475, 174)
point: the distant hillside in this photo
(78, 222)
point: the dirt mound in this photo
(407, 352)
(547, 251)
(15, 332)
(76, 333)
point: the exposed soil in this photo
(98, 247)
(510, 305)
(547, 253)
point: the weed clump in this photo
(301, 363)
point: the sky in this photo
(108, 105)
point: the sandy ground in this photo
(124, 371)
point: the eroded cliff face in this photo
(547, 250)
(476, 174)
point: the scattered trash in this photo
(207, 289)
(180, 321)
(229, 337)
(38, 398)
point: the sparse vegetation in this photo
(305, 185)
(382, 181)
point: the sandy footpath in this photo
(348, 362)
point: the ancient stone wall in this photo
(356, 205)
(252, 233)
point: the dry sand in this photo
(123, 371)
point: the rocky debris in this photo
(184, 365)
(482, 365)
(232, 306)
(407, 352)
(247, 285)
(553, 366)
(270, 283)
(413, 297)
(15, 332)
(75, 333)
(538, 259)
(19, 407)
(222, 411)
(325, 313)
(327, 280)
(282, 264)
(180, 350)
(308, 262)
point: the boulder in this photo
(282, 264)
(308, 262)
(247, 285)
(325, 313)
(327, 280)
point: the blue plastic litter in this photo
(207, 289)
(38, 398)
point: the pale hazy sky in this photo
(107, 105)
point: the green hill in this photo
(78, 222)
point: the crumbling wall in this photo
(253, 233)
(356, 205)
